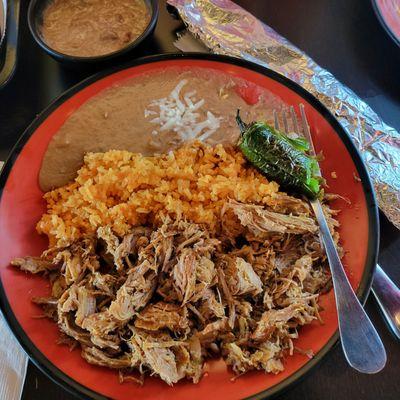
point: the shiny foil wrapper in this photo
(225, 28)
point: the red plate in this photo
(21, 206)
(388, 12)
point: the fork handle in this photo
(361, 343)
(387, 295)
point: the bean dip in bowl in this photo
(91, 31)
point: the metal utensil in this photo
(3, 20)
(387, 295)
(361, 344)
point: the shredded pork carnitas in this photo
(163, 299)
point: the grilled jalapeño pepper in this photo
(279, 157)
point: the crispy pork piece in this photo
(271, 320)
(79, 300)
(162, 362)
(163, 315)
(205, 271)
(67, 326)
(113, 245)
(210, 307)
(128, 245)
(265, 357)
(137, 290)
(260, 221)
(285, 204)
(230, 302)
(156, 353)
(76, 260)
(58, 284)
(189, 360)
(184, 275)
(167, 289)
(241, 278)
(48, 305)
(105, 283)
(212, 330)
(34, 265)
(98, 357)
(86, 305)
(106, 342)
(193, 275)
(100, 323)
(302, 268)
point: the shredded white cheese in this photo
(180, 113)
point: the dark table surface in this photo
(342, 35)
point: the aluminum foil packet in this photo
(226, 28)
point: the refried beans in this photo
(122, 117)
(87, 28)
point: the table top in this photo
(343, 36)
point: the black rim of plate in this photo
(81, 391)
(383, 22)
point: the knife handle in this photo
(387, 295)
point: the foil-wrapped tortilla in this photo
(225, 28)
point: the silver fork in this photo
(361, 344)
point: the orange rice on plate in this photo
(122, 189)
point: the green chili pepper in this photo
(279, 157)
